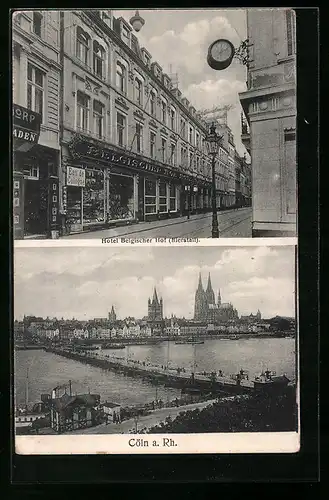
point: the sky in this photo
(180, 39)
(84, 282)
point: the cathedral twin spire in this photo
(204, 298)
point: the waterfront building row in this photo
(118, 141)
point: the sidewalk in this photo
(140, 227)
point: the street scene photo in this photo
(154, 122)
(152, 339)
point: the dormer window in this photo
(83, 45)
(147, 59)
(37, 23)
(106, 18)
(125, 34)
(98, 59)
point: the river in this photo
(47, 370)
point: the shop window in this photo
(152, 144)
(121, 129)
(35, 88)
(37, 23)
(83, 102)
(83, 46)
(98, 115)
(121, 197)
(98, 59)
(121, 76)
(150, 196)
(139, 137)
(93, 197)
(138, 91)
(163, 150)
(164, 112)
(162, 196)
(172, 198)
(172, 154)
(172, 119)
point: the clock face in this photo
(221, 51)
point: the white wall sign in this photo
(75, 177)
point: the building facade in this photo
(269, 106)
(207, 309)
(36, 77)
(132, 147)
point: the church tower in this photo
(219, 299)
(112, 315)
(155, 308)
(200, 303)
(210, 296)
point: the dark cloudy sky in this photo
(181, 38)
(84, 282)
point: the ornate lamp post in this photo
(213, 142)
(137, 21)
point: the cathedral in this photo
(207, 309)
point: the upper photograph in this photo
(154, 123)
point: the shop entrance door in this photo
(35, 207)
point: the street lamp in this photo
(213, 142)
(137, 21)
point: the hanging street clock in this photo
(220, 54)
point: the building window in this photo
(98, 114)
(191, 135)
(121, 129)
(83, 45)
(31, 172)
(172, 198)
(98, 59)
(164, 112)
(83, 102)
(139, 137)
(125, 34)
(138, 91)
(172, 154)
(121, 77)
(290, 21)
(197, 163)
(152, 144)
(197, 139)
(172, 119)
(162, 196)
(152, 102)
(150, 196)
(35, 84)
(183, 128)
(37, 23)
(184, 156)
(163, 149)
(192, 161)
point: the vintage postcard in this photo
(123, 349)
(154, 219)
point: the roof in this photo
(66, 401)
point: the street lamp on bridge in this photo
(213, 142)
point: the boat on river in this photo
(189, 341)
(113, 346)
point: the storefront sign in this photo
(26, 124)
(75, 177)
(83, 149)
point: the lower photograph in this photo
(155, 349)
